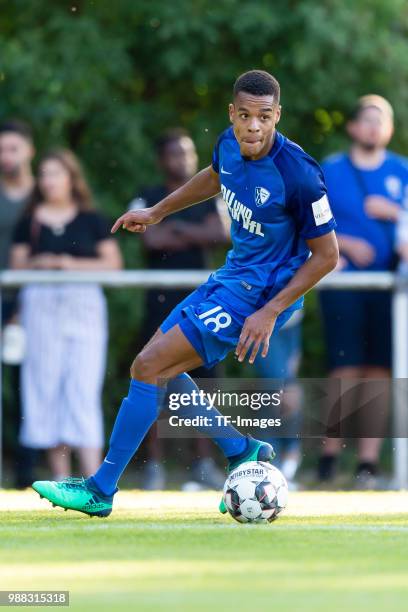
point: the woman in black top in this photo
(65, 325)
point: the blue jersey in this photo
(348, 187)
(275, 204)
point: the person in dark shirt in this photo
(66, 326)
(16, 184)
(179, 243)
(16, 180)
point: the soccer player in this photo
(283, 239)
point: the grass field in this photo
(172, 551)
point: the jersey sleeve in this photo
(310, 205)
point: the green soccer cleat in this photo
(256, 451)
(76, 494)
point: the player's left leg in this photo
(165, 357)
(158, 361)
(230, 440)
(162, 358)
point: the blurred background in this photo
(106, 81)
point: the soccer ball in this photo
(255, 492)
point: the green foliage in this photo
(105, 78)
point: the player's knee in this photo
(143, 368)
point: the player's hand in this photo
(136, 220)
(382, 208)
(256, 332)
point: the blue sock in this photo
(229, 439)
(138, 412)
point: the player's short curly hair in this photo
(257, 83)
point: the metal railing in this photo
(177, 279)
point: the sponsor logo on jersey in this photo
(321, 211)
(261, 196)
(241, 213)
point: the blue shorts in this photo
(357, 327)
(209, 322)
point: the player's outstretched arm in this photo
(202, 186)
(258, 327)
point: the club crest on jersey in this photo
(261, 196)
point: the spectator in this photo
(178, 243)
(65, 324)
(16, 184)
(367, 188)
(16, 181)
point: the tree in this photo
(105, 79)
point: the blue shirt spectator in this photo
(368, 191)
(350, 187)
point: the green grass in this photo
(172, 551)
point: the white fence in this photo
(175, 279)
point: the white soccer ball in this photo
(255, 492)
